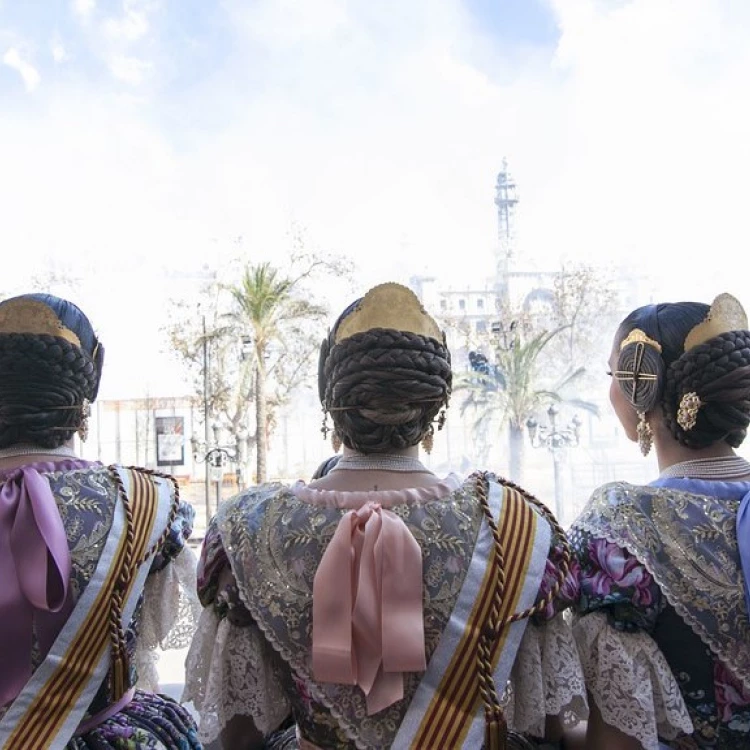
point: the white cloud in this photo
(83, 8)
(376, 129)
(29, 74)
(653, 165)
(130, 70)
(288, 22)
(134, 22)
(59, 53)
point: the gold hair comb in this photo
(726, 314)
(391, 306)
(24, 315)
(637, 335)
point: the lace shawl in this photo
(280, 539)
(688, 544)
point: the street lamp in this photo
(215, 457)
(556, 440)
(506, 337)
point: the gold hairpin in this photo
(628, 375)
(726, 314)
(637, 335)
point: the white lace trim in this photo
(230, 673)
(546, 679)
(170, 613)
(630, 681)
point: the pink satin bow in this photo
(367, 606)
(35, 566)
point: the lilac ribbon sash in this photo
(36, 566)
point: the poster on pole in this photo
(170, 441)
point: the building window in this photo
(481, 326)
(480, 304)
(462, 304)
(443, 304)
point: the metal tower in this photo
(506, 199)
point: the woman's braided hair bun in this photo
(49, 370)
(385, 371)
(717, 374)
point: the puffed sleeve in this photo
(230, 668)
(626, 673)
(170, 607)
(547, 677)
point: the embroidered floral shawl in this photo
(684, 534)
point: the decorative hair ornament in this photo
(83, 428)
(726, 314)
(687, 412)
(428, 440)
(325, 429)
(645, 435)
(637, 335)
(641, 341)
(391, 306)
(23, 315)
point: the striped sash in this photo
(47, 712)
(446, 710)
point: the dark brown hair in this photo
(384, 388)
(45, 380)
(718, 371)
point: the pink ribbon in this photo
(35, 564)
(367, 606)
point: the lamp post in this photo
(215, 458)
(205, 412)
(505, 335)
(556, 440)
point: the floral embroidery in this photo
(730, 693)
(618, 570)
(636, 544)
(280, 541)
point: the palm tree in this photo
(513, 389)
(268, 311)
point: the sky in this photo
(144, 141)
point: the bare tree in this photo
(250, 343)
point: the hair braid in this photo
(385, 387)
(43, 381)
(718, 371)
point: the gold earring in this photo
(335, 440)
(428, 439)
(645, 435)
(83, 428)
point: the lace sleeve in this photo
(231, 672)
(546, 679)
(169, 616)
(630, 681)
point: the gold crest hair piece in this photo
(637, 335)
(687, 413)
(23, 315)
(726, 314)
(390, 306)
